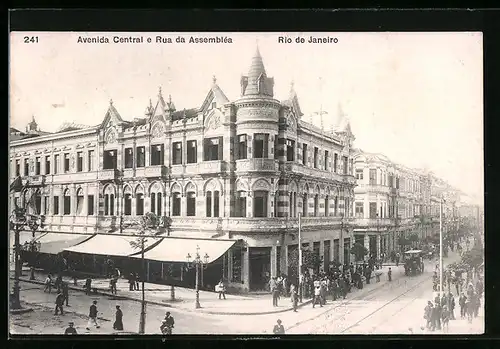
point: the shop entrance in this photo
(260, 268)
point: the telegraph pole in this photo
(301, 281)
(441, 245)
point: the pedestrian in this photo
(451, 309)
(167, 324)
(221, 288)
(59, 304)
(70, 329)
(437, 315)
(428, 315)
(88, 286)
(131, 282)
(317, 296)
(65, 292)
(279, 328)
(389, 274)
(48, 284)
(93, 316)
(118, 325)
(293, 296)
(462, 301)
(137, 278)
(112, 283)
(477, 305)
(58, 283)
(32, 273)
(274, 290)
(445, 317)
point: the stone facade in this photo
(392, 200)
(243, 169)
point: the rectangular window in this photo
(373, 176)
(346, 164)
(66, 162)
(373, 210)
(335, 162)
(79, 162)
(38, 164)
(208, 202)
(260, 145)
(241, 204)
(47, 165)
(260, 204)
(397, 182)
(141, 157)
(325, 166)
(242, 146)
(276, 149)
(290, 150)
(79, 204)
(26, 167)
(213, 149)
(359, 174)
(359, 210)
(129, 157)
(18, 168)
(304, 154)
(56, 163)
(157, 155)
(90, 205)
(177, 153)
(45, 205)
(56, 205)
(316, 157)
(91, 160)
(109, 162)
(192, 152)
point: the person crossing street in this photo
(93, 316)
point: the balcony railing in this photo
(255, 224)
(156, 171)
(108, 175)
(214, 166)
(373, 188)
(256, 165)
(317, 173)
(373, 222)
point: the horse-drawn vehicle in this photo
(413, 262)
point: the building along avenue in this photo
(232, 176)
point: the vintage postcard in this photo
(246, 183)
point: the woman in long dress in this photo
(118, 325)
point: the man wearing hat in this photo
(279, 328)
(70, 329)
(167, 324)
(93, 316)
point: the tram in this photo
(413, 262)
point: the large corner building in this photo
(239, 170)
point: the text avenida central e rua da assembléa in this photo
(157, 39)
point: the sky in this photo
(415, 97)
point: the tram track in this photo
(368, 296)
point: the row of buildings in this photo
(240, 171)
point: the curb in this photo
(168, 305)
(83, 316)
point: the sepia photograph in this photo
(246, 183)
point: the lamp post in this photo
(198, 263)
(441, 245)
(18, 220)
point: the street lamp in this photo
(198, 263)
(19, 220)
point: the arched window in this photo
(191, 203)
(139, 204)
(79, 202)
(316, 205)
(127, 201)
(304, 205)
(109, 201)
(67, 203)
(155, 199)
(208, 203)
(38, 202)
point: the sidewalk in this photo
(254, 304)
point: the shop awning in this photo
(173, 249)
(110, 245)
(53, 243)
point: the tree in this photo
(474, 257)
(359, 251)
(310, 260)
(148, 225)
